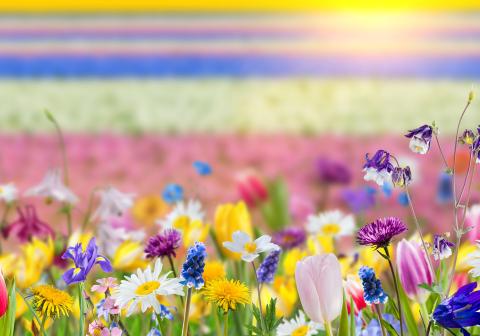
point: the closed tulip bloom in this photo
(413, 269)
(319, 285)
(250, 188)
(354, 290)
(3, 296)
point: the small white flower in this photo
(191, 210)
(8, 192)
(379, 177)
(113, 203)
(53, 188)
(331, 223)
(298, 326)
(250, 250)
(140, 290)
(418, 145)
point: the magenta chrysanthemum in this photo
(379, 233)
(163, 244)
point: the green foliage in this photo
(271, 321)
(352, 331)
(389, 328)
(343, 327)
(275, 209)
(407, 313)
(7, 322)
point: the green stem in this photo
(328, 328)
(42, 327)
(217, 323)
(172, 266)
(427, 333)
(81, 303)
(395, 283)
(225, 325)
(186, 312)
(262, 322)
(380, 319)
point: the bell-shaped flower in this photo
(53, 188)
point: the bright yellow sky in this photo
(232, 5)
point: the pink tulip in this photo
(472, 220)
(3, 296)
(413, 269)
(354, 290)
(319, 286)
(250, 188)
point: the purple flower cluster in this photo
(164, 244)
(379, 233)
(268, 267)
(332, 172)
(290, 237)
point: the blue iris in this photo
(372, 287)
(192, 269)
(202, 168)
(172, 193)
(459, 310)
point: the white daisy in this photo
(113, 203)
(140, 291)
(331, 223)
(379, 177)
(250, 250)
(8, 192)
(52, 188)
(191, 210)
(298, 327)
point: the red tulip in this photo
(251, 188)
(354, 290)
(3, 296)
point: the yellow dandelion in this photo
(227, 293)
(51, 302)
(213, 270)
(149, 208)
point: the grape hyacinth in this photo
(192, 269)
(372, 287)
(268, 267)
(164, 244)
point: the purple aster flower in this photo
(164, 244)
(459, 310)
(379, 233)
(268, 267)
(420, 139)
(84, 262)
(378, 168)
(359, 200)
(192, 269)
(332, 172)
(442, 248)
(27, 225)
(290, 237)
(401, 176)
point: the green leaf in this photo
(434, 288)
(343, 327)
(407, 313)
(275, 209)
(352, 318)
(389, 328)
(7, 322)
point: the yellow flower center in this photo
(300, 331)
(250, 247)
(147, 288)
(182, 222)
(331, 229)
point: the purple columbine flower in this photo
(378, 168)
(84, 262)
(467, 138)
(164, 244)
(442, 248)
(401, 176)
(459, 310)
(290, 237)
(268, 267)
(332, 172)
(379, 233)
(420, 139)
(27, 225)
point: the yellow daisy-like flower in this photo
(149, 208)
(52, 302)
(213, 270)
(227, 294)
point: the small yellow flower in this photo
(213, 270)
(129, 256)
(228, 219)
(226, 294)
(52, 302)
(149, 208)
(290, 260)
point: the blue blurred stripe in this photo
(241, 65)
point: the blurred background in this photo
(289, 93)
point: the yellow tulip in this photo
(320, 243)
(80, 237)
(228, 219)
(284, 290)
(290, 260)
(129, 256)
(42, 253)
(192, 230)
